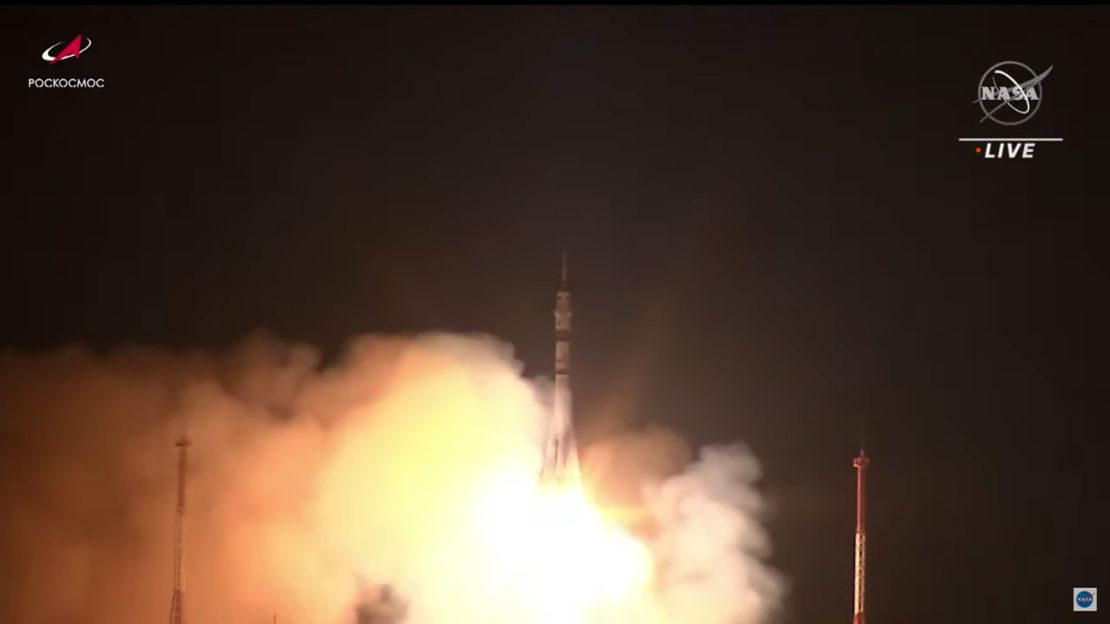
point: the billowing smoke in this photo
(400, 475)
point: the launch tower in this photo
(860, 462)
(177, 606)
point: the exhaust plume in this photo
(404, 472)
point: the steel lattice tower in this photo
(860, 464)
(177, 606)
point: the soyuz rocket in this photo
(560, 457)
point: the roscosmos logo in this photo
(62, 51)
(75, 49)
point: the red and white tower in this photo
(860, 462)
(177, 604)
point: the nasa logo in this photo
(1084, 599)
(1006, 101)
(1009, 94)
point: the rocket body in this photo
(560, 461)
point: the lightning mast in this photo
(177, 606)
(560, 459)
(860, 462)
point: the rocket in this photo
(860, 462)
(560, 457)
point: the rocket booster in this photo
(560, 461)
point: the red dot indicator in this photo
(978, 150)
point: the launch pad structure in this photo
(860, 462)
(177, 603)
(560, 468)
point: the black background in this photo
(774, 236)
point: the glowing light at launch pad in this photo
(560, 553)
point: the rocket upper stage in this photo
(560, 461)
(563, 316)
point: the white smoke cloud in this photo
(711, 546)
(311, 486)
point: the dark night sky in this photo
(773, 233)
